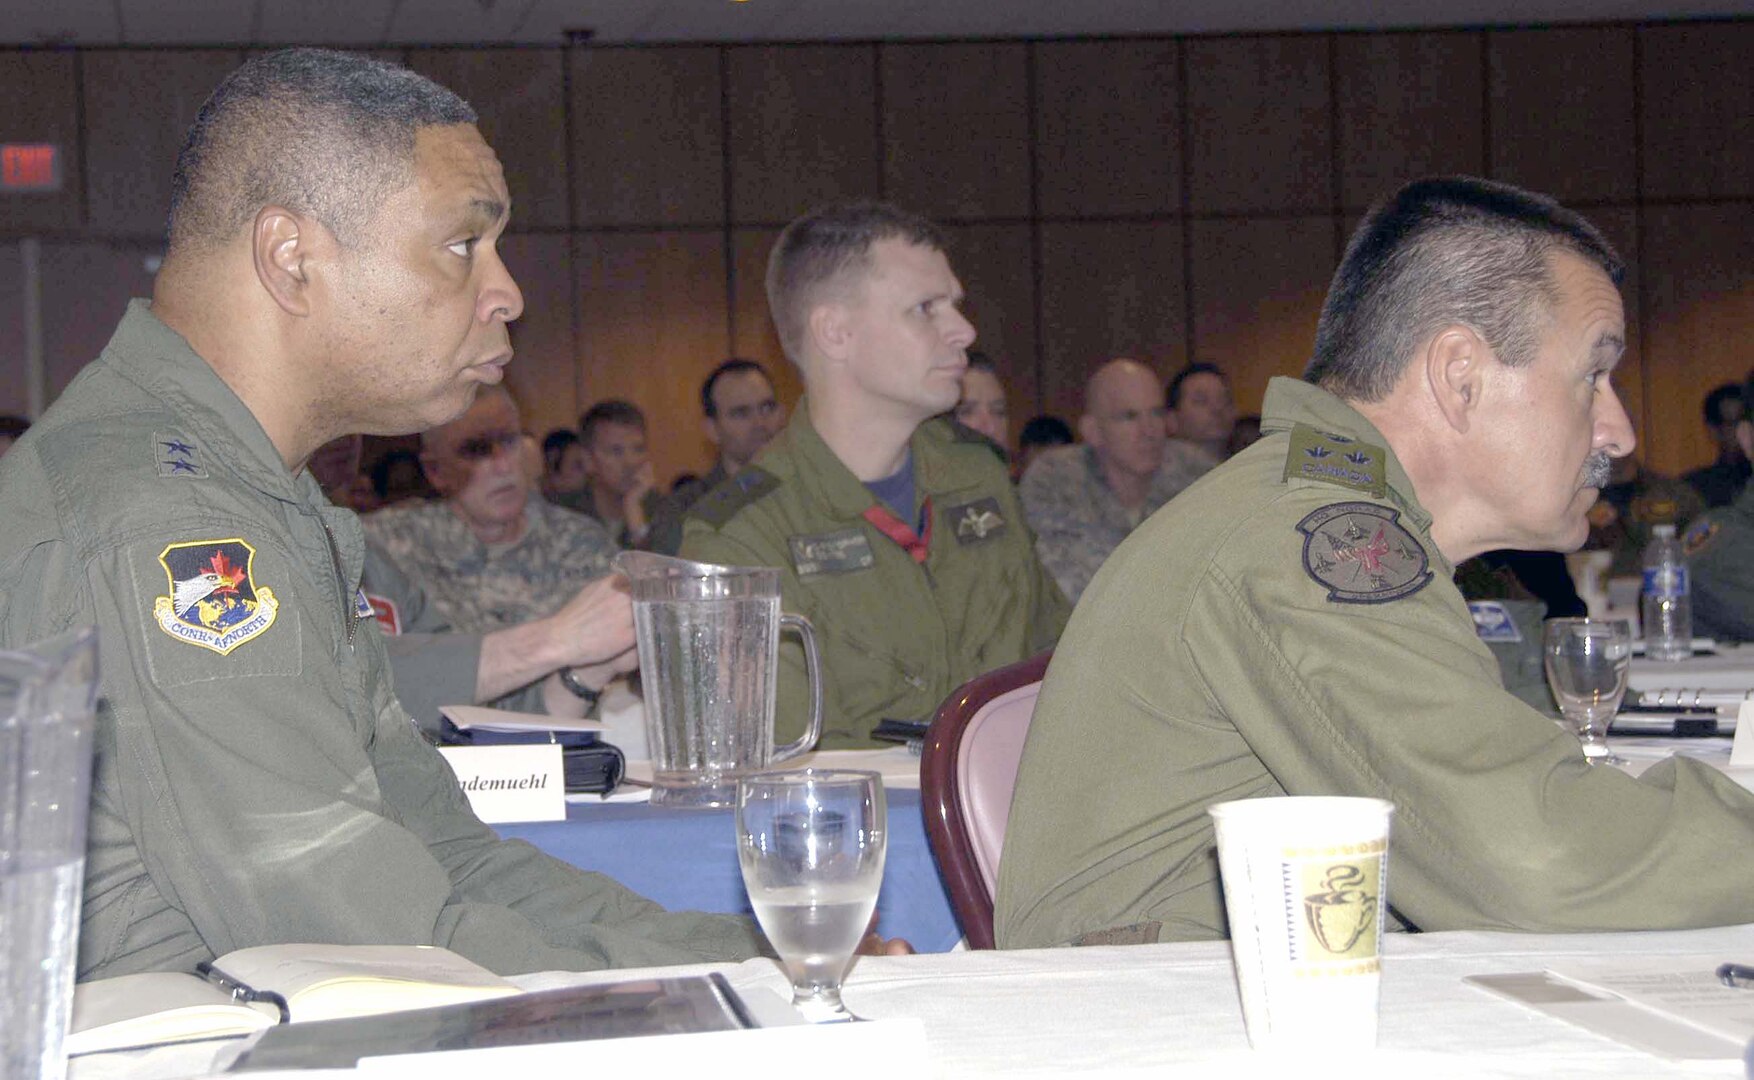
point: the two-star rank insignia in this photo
(177, 456)
(1361, 553)
(214, 602)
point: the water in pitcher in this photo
(703, 663)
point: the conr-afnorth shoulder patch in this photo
(1361, 554)
(213, 601)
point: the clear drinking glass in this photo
(811, 844)
(1587, 661)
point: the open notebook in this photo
(256, 988)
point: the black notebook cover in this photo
(570, 1014)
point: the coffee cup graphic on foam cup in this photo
(1304, 880)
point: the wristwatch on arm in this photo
(579, 689)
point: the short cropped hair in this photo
(613, 411)
(554, 445)
(980, 361)
(733, 366)
(825, 247)
(324, 133)
(1442, 251)
(1714, 403)
(1045, 430)
(1173, 396)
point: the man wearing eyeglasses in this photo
(741, 415)
(490, 559)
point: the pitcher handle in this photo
(812, 670)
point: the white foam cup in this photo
(1304, 887)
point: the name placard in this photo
(1742, 749)
(511, 783)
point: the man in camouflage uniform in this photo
(1288, 626)
(898, 535)
(331, 268)
(1082, 501)
(517, 667)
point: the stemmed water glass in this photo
(811, 845)
(1587, 662)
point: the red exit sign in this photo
(30, 167)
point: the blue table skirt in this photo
(686, 860)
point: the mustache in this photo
(1596, 470)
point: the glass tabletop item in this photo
(1587, 662)
(811, 844)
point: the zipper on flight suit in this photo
(350, 612)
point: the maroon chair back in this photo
(967, 770)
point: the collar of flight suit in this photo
(1290, 402)
(832, 485)
(160, 360)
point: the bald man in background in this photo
(1083, 500)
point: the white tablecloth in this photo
(1173, 1010)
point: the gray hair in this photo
(1439, 252)
(324, 133)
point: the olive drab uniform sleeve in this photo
(1286, 626)
(257, 781)
(897, 635)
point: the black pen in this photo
(1740, 976)
(241, 992)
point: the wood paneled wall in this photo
(1170, 199)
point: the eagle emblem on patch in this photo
(1361, 554)
(214, 602)
(975, 521)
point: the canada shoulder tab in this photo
(1340, 460)
(721, 504)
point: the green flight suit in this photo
(1287, 626)
(432, 664)
(257, 781)
(896, 636)
(1720, 555)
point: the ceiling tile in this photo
(542, 22)
(546, 21)
(322, 22)
(71, 22)
(182, 22)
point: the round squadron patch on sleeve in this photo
(1361, 554)
(1699, 537)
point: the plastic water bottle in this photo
(1667, 601)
